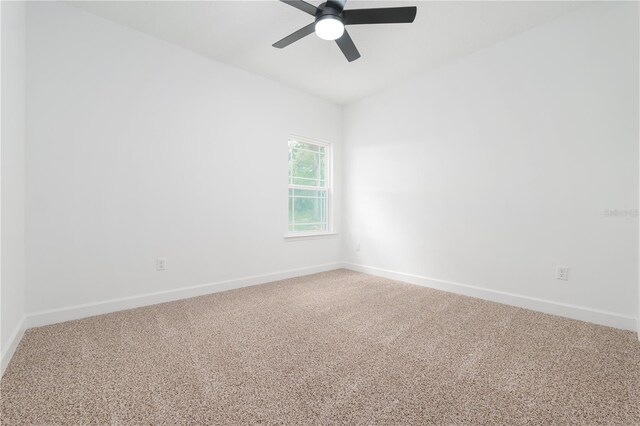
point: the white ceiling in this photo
(240, 33)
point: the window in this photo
(309, 187)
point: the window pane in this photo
(291, 211)
(306, 164)
(306, 146)
(306, 228)
(307, 210)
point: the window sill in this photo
(298, 237)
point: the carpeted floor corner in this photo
(339, 347)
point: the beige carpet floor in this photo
(333, 348)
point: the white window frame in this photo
(328, 149)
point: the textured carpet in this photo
(337, 347)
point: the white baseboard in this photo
(14, 341)
(90, 309)
(581, 313)
(38, 319)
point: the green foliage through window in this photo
(308, 187)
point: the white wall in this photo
(486, 172)
(494, 169)
(12, 153)
(139, 149)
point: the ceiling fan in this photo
(330, 19)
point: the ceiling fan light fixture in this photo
(329, 27)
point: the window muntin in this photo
(309, 187)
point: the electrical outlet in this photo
(562, 273)
(161, 264)
(357, 247)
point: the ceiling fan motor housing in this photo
(326, 11)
